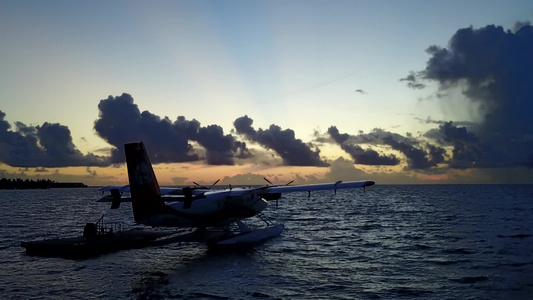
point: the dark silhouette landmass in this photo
(19, 184)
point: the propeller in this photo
(196, 184)
(274, 196)
(215, 183)
(270, 182)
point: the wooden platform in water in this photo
(82, 247)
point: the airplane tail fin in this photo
(145, 193)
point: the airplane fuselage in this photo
(212, 209)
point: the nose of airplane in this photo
(247, 205)
(258, 205)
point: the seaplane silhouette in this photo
(211, 212)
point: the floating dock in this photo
(84, 247)
(98, 239)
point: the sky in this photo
(400, 92)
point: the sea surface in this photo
(391, 242)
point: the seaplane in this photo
(211, 214)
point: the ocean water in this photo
(392, 242)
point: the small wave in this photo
(372, 244)
(80, 268)
(411, 292)
(413, 237)
(422, 246)
(470, 279)
(458, 251)
(519, 264)
(370, 226)
(448, 262)
(329, 287)
(520, 236)
(205, 295)
(515, 236)
(259, 295)
(413, 247)
(11, 226)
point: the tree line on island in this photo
(25, 184)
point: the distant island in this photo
(19, 184)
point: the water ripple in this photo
(392, 242)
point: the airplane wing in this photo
(126, 189)
(272, 189)
(168, 190)
(317, 187)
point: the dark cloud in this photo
(518, 25)
(429, 120)
(436, 154)
(91, 172)
(220, 148)
(413, 81)
(468, 150)
(494, 69)
(417, 157)
(47, 145)
(361, 156)
(376, 137)
(120, 121)
(293, 151)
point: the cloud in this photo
(120, 121)
(342, 169)
(40, 170)
(47, 145)
(243, 179)
(518, 25)
(417, 157)
(468, 150)
(429, 120)
(293, 151)
(494, 69)
(220, 148)
(179, 180)
(361, 156)
(413, 81)
(91, 172)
